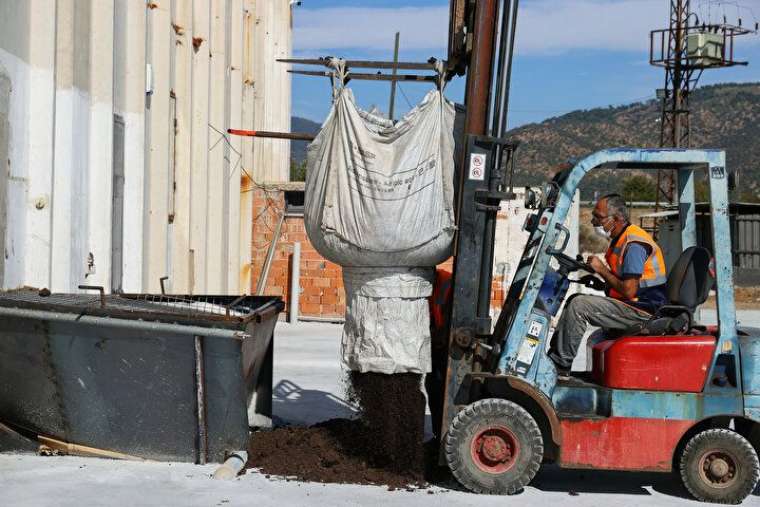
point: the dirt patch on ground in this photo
(746, 298)
(383, 446)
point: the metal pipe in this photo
(506, 52)
(232, 466)
(262, 283)
(136, 325)
(295, 136)
(295, 282)
(419, 78)
(326, 320)
(200, 397)
(393, 82)
(480, 68)
(362, 64)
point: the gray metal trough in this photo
(154, 377)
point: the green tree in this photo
(297, 171)
(639, 188)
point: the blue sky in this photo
(570, 55)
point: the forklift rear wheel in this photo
(494, 446)
(719, 465)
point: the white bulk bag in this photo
(379, 202)
(379, 194)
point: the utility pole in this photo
(685, 49)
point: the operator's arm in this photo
(633, 267)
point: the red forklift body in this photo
(654, 363)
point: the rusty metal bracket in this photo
(99, 289)
(200, 396)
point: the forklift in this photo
(659, 398)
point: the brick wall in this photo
(322, 293)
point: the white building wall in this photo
(511, 238)
(70, 69)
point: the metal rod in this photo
(363, 64)
(99, 289)
(370, 77)
(394, 74)
(136, 325)
(262, 283)
(295, 282)
(200, 397)
(506, 53)
(233, 303)
(295, 136)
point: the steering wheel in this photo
(569, 265)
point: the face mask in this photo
(601, 231)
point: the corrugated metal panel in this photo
(745, 235)
(179, 73)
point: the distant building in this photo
(114, 168)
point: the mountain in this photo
(725, 116)
(298, 148)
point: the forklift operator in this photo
(635, 277)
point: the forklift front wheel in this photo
(719, 465)
(494, 446)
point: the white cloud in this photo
(370, 28)
(544, 26)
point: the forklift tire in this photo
(494, 447)
(720, 466)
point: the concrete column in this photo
(181, 156)
(200, 144)
(157, 170)
(129, 103)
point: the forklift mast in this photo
(487, 28)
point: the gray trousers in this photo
(582, 311)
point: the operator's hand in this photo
(595, 263)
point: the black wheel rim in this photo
(718, 468)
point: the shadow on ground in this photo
(294, 405)
(576, 482)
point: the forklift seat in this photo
(663, 354)
(688, 286)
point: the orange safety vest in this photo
(654, 267)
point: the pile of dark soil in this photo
(383, 446)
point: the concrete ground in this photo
(308, 389)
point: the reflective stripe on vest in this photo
(654, 273)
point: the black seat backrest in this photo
(690, 280)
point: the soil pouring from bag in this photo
(383, 446)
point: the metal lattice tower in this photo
(679, 81)
(684, 61)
